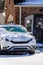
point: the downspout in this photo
(20, 16)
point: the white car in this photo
(16, 38)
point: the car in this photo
(16, 38)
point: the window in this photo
(29, 23)
(1, 5)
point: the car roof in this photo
(8, 25)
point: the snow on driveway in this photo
(36, 59)
(39, 47)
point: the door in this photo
(38, 31)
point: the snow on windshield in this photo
(2, 30)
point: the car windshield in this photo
(16, 29)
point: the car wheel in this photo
(31, 51)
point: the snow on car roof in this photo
(9, 25)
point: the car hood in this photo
(18, 37)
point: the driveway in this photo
(36, 59)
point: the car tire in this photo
(31, 51)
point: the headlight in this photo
(30, 39)
(7, 39)
(5, 47)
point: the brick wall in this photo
(26, 11)
(17, 15)
(10, 10)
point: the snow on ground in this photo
(39, 48)
(39, 45)
(36, 59)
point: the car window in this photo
(16, 29)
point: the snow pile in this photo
(39, 48)
(39, 45)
